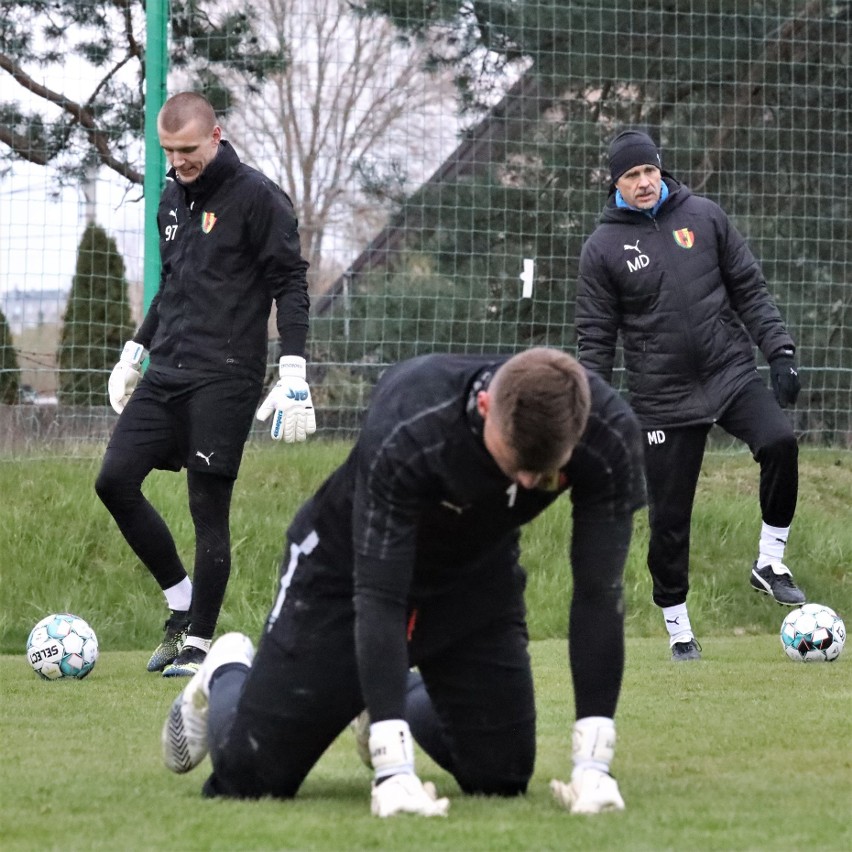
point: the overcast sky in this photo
(39, 233)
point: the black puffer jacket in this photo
(690, 302)
(229, 247)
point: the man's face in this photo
(640, 186)
(190, 149)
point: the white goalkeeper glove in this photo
(396, 789)
(592, 789)
(290, 399)
(591, 792)
(125, 374)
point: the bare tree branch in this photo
(353, 98)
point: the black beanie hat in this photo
(632, 148)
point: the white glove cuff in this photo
(593, 743)
(291, 367)
(133, 353)
(391, 748)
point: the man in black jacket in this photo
(229, 248)
(667, 271)
(408, 554)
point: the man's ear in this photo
(483, 403)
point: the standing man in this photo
(408, 555)
(229, 247)
(667, 270)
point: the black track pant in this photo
(119, 485)
(473, 711)
(673, 460)
(200, 423)
(267, 732)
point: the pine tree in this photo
(97, 321)
(10, 372)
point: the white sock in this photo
(773, 540)
(677, 623)
(179, 597)
(196, 642)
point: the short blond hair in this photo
(541, 400)
(179, 110)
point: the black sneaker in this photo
(776, 580)
(689, 650)
(186, 663)
(173, 639)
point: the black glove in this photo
(784, 378)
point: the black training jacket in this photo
(430, 523)
(229, 247)
(689, 300)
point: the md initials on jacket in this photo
(638, 263)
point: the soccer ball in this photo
(813, 633)
(62, 646)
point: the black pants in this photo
(269, 725)
(201, 424)
(673, 459)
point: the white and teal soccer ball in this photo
(62, 646)
(813, 633)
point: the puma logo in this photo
(201, 455)
(675, 620)
(173, 213)
(633, 248)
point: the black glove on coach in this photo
(784, 378)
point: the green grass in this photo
(743, 750)
(62, 551)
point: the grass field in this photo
(743, 750)
(62, 551)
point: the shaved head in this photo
(181, 109)
(189, 135)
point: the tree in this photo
(98, 117)
(347, 127)
(10, 372)
(97, 321)
(754, 109)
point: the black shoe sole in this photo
(780, 603)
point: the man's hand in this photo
(397, 790)
(784, 377)
(290, 399)
(125, 374)
(590, 792)
(406, 794)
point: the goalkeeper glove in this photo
(592, 789)
(397, 790)
(784, 377)
(591, 792)
(125, 374)
(290, 399)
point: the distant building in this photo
(25, 309)
(28, 309)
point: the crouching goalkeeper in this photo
(408, 555)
